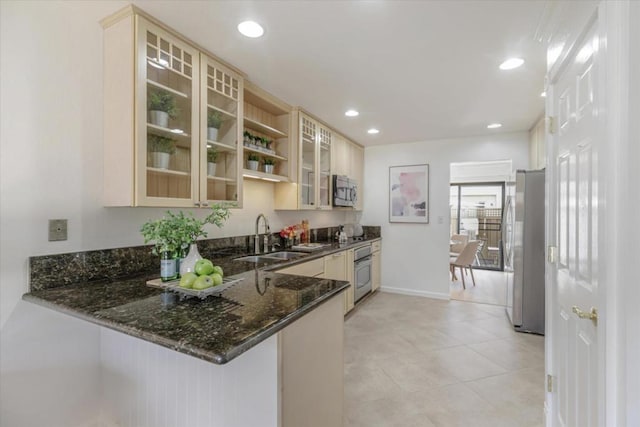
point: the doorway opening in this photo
(476, 212)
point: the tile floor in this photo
(491, 287)
(420, 362)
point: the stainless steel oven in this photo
(362, 271)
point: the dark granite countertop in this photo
(216, 329)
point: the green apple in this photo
(203, 267)
(202, 282)
(218, 269)
(186, 281)
(217, 279)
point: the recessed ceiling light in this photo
(494, 126)
(250, 29)
(373, 131)
(543, 94)
(511, 63)
(351, 113)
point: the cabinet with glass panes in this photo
(311, 188)
(221, 108)
(161, 110)
(266, 135)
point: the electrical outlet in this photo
(57, 230)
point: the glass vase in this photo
(188, 264)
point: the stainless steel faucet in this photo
(267, 231)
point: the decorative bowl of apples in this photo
(206, 279)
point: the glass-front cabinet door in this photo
(315, 164)
(308, 166)
(220, 166)
(167, 119)
(324, 168)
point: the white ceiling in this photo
(416, 70)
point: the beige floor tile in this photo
(419, 375)
(367, 382)
(386, 413)
(464, 363)
(416, 362)
(466, 332)
(518, 389)
(491, 288)
(510, 354)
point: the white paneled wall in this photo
(146, 385)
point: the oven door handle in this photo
(363, 260)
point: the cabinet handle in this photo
(339, 254)
(197, 204)
(204, 204)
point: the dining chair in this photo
(457, 243)
(464, 260)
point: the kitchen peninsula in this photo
(267, 352)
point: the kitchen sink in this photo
(284, 255)
(255, 258)
(272, 257)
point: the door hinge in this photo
(552, 254)
(551, 125)
(549, 383)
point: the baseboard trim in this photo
(413, 292)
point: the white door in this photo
(575, 208)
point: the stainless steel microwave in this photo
(345, 191)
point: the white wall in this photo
(51, 167)
(415, 257)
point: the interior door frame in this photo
(618, 348)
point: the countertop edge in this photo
(216, 358)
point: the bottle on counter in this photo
(306, 238)
(167, 266)
(342, 235)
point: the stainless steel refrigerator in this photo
(523, 243)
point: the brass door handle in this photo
(591, 315)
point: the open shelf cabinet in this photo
(267, 122)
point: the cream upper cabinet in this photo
(267, 122)
(311, 181)
(158, 97)
(356, 168)
(347, 159)
(220, 111)
(340, 156)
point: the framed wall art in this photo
(409, 194)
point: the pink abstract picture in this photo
(409, 193)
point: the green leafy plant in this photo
(214, 119)
(162, 101)
(212, 155)
(161, 144)
(268, 161)
(178, 230)
(253, 157)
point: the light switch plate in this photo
(57, 230)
